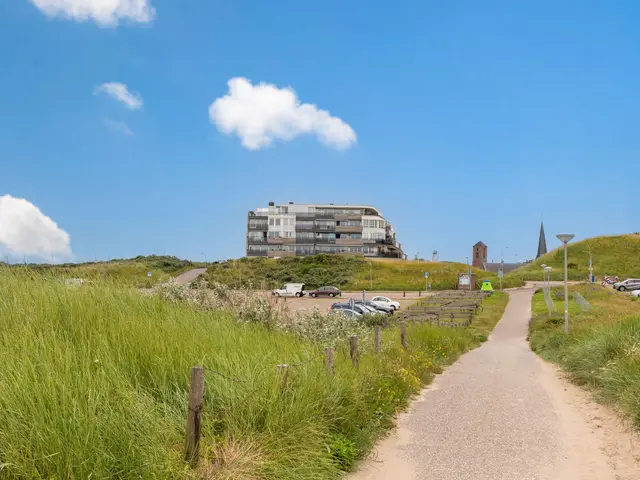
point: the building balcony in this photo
(324, 214)
(348, 229)
(257, 240)
(256, 254)
(349, 241)
(280, 253)
(305, 227)
(259, 226)
(350, 216)
(324, 241)
(274, 240)
(325, 228)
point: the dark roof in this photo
(480, 243)
(508, 267)
(542, 242)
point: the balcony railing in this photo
(324, 240)
(257, 239)
(304, 226)
(320, 227)
(259, 226)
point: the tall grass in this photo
(603, 348)
(617, 255)
(94, 382)
(348, 272)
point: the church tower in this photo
(542, 242)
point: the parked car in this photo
(345, 307)
(628, 284)
(371, 310)
(386, 302)
(290, 290)
(636, 293)
(378, 307)
(327, 291)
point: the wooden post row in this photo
(284, 369)
(403, 334)
(328, 359)
(194, 416)
(353, 350)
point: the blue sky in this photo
(473, 120)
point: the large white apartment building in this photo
(304, 229)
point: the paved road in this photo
(501, 413)
(190, 276)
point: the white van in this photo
(290, 290)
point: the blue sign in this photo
(149, 274)
(426, 274)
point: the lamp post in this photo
(566, 238)
(205, 258)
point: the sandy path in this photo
(502, 413)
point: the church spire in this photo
(542, 242)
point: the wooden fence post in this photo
(403, 334)
(284, 368)
(353, 350)
(328, 359)
(194, 416)
(376, 339)
(438, 319)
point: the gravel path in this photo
(502, 413)
(190, 276)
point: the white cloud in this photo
(119, 127)
(262, 113)
(25, 230)
(106, 13)
(121, 92)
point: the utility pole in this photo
(566, 238)
(591, 280)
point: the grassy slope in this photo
(603, 348)
(611, 256)
(129, 272)
(94, 383)
(347, 272)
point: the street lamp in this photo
(566, 238)
(205, 258)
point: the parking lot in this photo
(325, 302)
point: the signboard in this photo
(464, 280)
(500, 274)
(426, 274)
(149, 274)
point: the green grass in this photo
(127, 272)
(619, 255)
(602, 351)
(345, 271)
(94, 384)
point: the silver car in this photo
(628, 284)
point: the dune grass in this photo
(616, 255)
(348, 272)
(127, 272)
(602, 351)
(94, 383)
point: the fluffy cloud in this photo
(119, 127)
(262, 113)
(25, 230)
(106, 13)
(120, 92)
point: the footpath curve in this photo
(501, 413)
